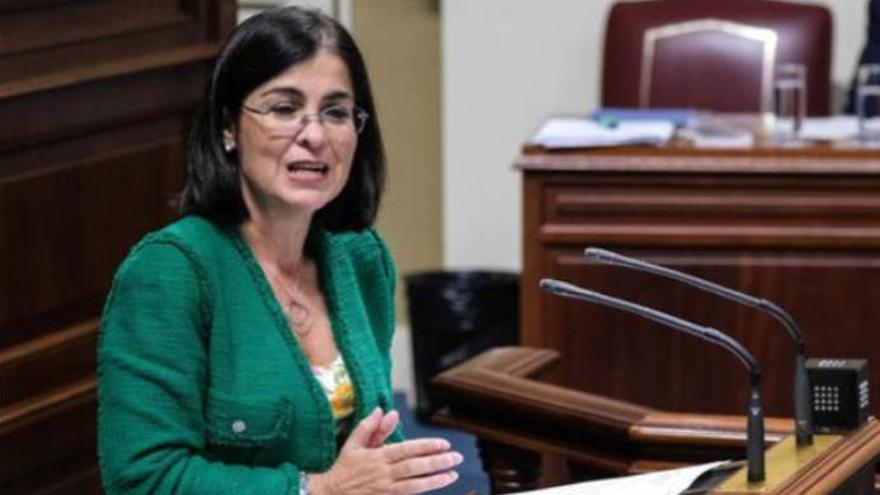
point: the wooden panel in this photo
(624, 357)
(44, 434)
(102, 104)
(95, 100)
(92, 212)
(732, 202)
(599, 437)
(98, 31)
(808, 241)
(48, 428)
(23, 370)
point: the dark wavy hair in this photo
(259, 49)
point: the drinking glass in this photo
(868, 104)
(789, 102)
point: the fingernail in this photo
(453, 475)
(456, 458)
(442, 444)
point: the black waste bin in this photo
(455, 315)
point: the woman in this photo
(245, 348)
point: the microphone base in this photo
(782, 461)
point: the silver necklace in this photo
(298, 314)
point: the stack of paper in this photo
(574, 132)
(837, 128)
(707, 133)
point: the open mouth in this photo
(308, 169)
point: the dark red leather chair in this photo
(713, 54)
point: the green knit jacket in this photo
(203, 389)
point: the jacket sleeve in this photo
(152, 384)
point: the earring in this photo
(228, 145)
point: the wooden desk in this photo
(500, 396)
(800, 227)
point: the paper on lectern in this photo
(579, 132)
(669, 482)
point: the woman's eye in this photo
(283, 110)
(337, 113)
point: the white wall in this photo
(507, 64)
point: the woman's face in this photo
(292, 160)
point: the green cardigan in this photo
(203, 389)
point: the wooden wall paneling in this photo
(93, 120)
(531, 320)
(809, 242)
(121, 95)
(90, 34)
(90, 211)
(13, 6)
(619, 355)
(46, 431)
(24, 375)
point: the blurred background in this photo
(460, 86)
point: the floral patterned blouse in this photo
(336, 382)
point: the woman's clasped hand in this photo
(366, 465)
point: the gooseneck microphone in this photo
(802, 407)
(755, 415)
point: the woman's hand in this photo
(387, 425)
(366, 466)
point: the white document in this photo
(837, 128)
(580, 132)
(716, 137)
(670, 482)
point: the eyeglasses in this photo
(285, 120)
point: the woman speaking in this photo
(244, 349)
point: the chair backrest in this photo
(713, 54)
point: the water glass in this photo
(789, 102)
(868, 103)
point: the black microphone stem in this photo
(755, 430)
(755, 416)
(802, 407)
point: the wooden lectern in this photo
(797, 226)
(525, 424)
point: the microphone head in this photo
(547, 284)
(598, 253)
(560, 288)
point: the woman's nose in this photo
(312, 133)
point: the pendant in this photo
(299, 316)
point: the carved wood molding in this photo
(204, 52)
(496, 377)
(47, 429)
(23, 372)
(498, 397)
(840, 463)
(495, 398)
(852, 162)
